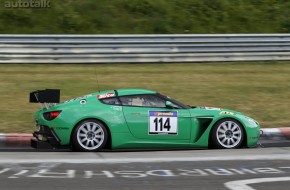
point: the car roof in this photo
(129, 91)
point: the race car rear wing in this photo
(46, 97)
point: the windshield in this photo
(174, 101)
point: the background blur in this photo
(148, 17)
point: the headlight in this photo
(252, 122)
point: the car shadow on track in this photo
(27, 149)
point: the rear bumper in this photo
(45, 138)
(34, 143)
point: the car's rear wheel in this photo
(227, 133)
(89, 135)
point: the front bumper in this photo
(253, 135)
(45, 138)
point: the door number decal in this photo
(163, 122)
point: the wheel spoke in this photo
(224, 127)
(92, 143)
(83, 140)
(234, 128)
(87, 144)
(229, 125)
(236, 132)
(89, 127)
(97, 141)
(99, 136)
(232, 140)
(84, 130)
(228, 141)
(235, 137)
(221, 131)
(221, 136)
(223, 141)
(94, 127)
(98, 131)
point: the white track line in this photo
(243, 184)
(98, 160)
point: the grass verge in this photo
(259, 89)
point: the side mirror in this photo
(169, 105)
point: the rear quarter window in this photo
(111, 101)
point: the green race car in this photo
(136, 118)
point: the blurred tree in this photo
(148, 16)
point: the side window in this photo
(143, 101)
(111, 101)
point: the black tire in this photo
(227, 134)
(89, 136)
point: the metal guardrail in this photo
(143, 48)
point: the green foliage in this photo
(148, 17)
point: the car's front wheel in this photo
(227, 133)
(89, 135)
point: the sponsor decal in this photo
(60, 128)
(210, 108)
(159, 113)
(117, 108)
(163, 123)
(226, 113)
(108, 95)
(82, 97)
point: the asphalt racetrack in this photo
(242, 169)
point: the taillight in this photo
(51, 115)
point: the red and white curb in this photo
(15, 140)
(275, 133)
(23, 140)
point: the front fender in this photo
(252, 131)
